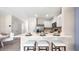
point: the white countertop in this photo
(35, 36)
(47, 35)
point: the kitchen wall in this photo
(29, 25)
(48, 23)
(68, 16)
(9, 24)
(16, 25)
(25, 26)
(58, 19)
(40, 20)
(45, 21)
(5, 21)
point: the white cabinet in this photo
(31, 24)
(47, 23)
(59, 20)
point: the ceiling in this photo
(24, 12)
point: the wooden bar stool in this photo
(57, 46)
(43, 45)
(30, 45)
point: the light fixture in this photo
(36, 15)
(47, 15)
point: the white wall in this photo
(41, 20)
(5, 21)
(58, 19)
(16, 25)
(47, 23)
(68, 25)
(68, 16)
(29, 25)
(25, 26)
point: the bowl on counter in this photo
(56, 34)
(28, 34)
(42, 34)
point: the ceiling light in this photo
(47, 15)
(36, 15)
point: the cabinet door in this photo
(31, 24)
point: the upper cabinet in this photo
(40, 20)
(58, 19)
(47, 24)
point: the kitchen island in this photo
(66, 39)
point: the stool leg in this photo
(2, 44)
(24, 48)
(59, 49)
(47, 48)
(27, 48)
(64, 48)
(38, 48)
(55, 48)
(34, 48)
(51, 46)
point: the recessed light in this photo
(47, 15)
(36, 15)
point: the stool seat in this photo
(58, 43)
(30, 43)
(43, 43)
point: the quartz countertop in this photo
(38, 34)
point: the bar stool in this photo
(57, 45)
(43, 45)
(30, 45)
